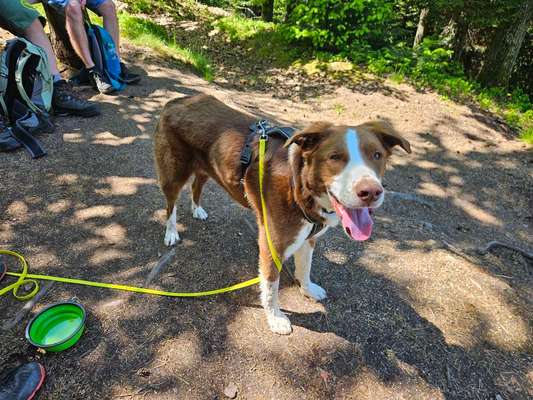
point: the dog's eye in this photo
(377, 155)
(335, 156)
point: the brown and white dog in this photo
(324, 173)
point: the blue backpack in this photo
(104, 53)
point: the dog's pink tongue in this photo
(355, 221)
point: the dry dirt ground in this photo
(414, 313)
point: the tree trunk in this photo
(503, 50)
(421, 29)
(455, 36)
(267, 10)
(60, 39)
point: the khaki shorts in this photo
(17, 15)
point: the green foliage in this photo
(239, 28)
(177, 8)
(145, 6)
(376, 35)
(526, 123)
(340, 25)
(432, 66)
(144, 32)
(265, 39)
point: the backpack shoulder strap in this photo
(21, 62)
(4, 74)
(43, 74)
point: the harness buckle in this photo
(246, 155)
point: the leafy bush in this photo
(526, 123)
(378, 34)
(340, 25)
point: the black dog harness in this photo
(264, 129)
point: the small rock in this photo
(427, 225)
(231, 391)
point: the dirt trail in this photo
(414, 313)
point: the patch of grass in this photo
(146, 6)
(240, 29)
(397, 77)
(527, 136)
(526, 122)
(264, 38)
(143, 32)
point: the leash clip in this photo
(262, 127)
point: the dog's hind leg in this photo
(196, 191)
(173, 175)
(171, 191)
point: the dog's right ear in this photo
(310, 137)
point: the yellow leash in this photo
(262, 150)
(25, 278)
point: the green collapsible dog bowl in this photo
(57, 327)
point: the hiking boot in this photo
(23, 382)
(4, 122)
(81, 78)
(65, 102)
(128, 77)
(7, 143)
(100, 83)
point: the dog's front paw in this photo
(172, 237)
(279, 323)
(313, 291)
(199, 213)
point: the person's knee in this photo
(73, 10)
(107, 9)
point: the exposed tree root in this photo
(495, 243)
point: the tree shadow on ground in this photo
(397, 344)
(92, 210)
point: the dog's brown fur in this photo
(202, 136)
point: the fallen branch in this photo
(495, 243)
(26, 308)
(162, 263)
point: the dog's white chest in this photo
(301, 237)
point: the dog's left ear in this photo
(388, 135)
(310, 137)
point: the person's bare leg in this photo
(108, 12)
(76, 32)
(35, 34)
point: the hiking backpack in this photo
(26, 87)
(25, 78)
(104, 53)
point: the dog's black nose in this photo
(368, 190)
